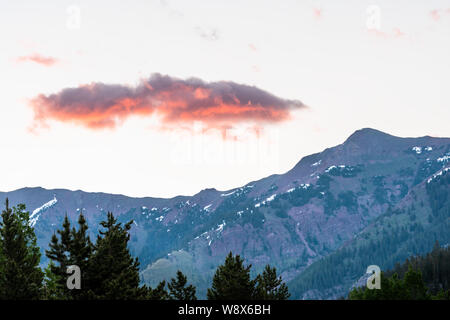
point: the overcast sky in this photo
(100, 95)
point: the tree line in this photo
(108, 270)
(418, 278)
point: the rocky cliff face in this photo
(290, 220)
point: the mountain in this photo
(325, 214)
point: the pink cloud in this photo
(435, 15)
(39, 59)
(396, 33)
(317, 12)
(176, 101)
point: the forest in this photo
(107, 269)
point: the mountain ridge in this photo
(289, 220)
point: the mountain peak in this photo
(367, 134)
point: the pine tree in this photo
(20, 275)
(113, 272)
(232, 281)
(73, 247)
(178, 289)
(159, 293)
(270, 287)
(52, 284)
(415, 286)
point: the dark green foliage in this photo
(52, 288)
(434, 266)
(178, 289)
(347, 199)
(113, 272)
(391, 245)
(20, 275)
(270, 287)
(411, 287)
(232, 281)
(439, 195)
(254, 217)
(281, 213)
(323, 183)
(73, 247)
(345, 171)
(108, 271)
(159, 293)
(426, 169)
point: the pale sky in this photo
(380, 64)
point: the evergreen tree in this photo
(52, 285)
(159, 293)
(411, 287)
(414, 285)
(73, 247)
(114, 274)
(178, 289)
(270, 287)
(20, 275)
(232, 281)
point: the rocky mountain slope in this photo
(294, 221)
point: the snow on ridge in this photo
(443, 158)
(330, 168)
(428, 149)
(37, 212)
(417, 150)
(438, 174)
(220, 227)
(271, 197)
(227, 194)
(290, 190)
(207, 207)
(315, 164)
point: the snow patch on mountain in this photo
(34, 217)
(227, 194)
(443, 159)
(439, 173)
(417, 150)
(315, 164)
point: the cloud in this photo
(175, 101)
(437, 14)
(317, 12)
(39, 59)
(396, 33)
(252, 47)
